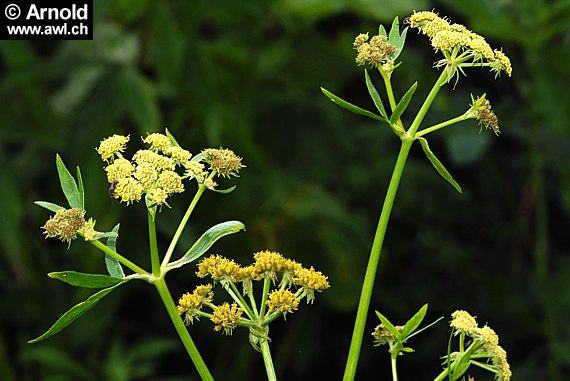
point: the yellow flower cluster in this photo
(191, 303)
(463, 322)
(226, 317)
(65, 224)
(374, 51)
(282, 300)
(151, 171)
(452, 37)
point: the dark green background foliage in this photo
(246, 75)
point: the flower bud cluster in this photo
(65, 224)
(374, 51)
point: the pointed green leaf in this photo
(198, 158)
(229, 190)
(389, 326)
(403, 104)
(459, 371)
(375, 96)
(74, 313)
(394, 31)
(171, 138)
(438, 166)
(206, 241)
(80, 188)
(49, 206)
(114, 267)
(68, 184)
(382, 31)
(349, 106)
(400, 44)
(86, 280)
(414, 321)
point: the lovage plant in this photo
(155, 174)
(461, 50)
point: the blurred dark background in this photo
(246, 75)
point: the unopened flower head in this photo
(226, 317)
(462, 321)
(210, 184)
(112, 145)
(219, 268)
(374, 52)
(383, 336)
(487, 117)
(158, 142)
(224, 161)
(65, 224)
(282, 300)
(120, 168)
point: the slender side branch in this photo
(119, 257)
(182, 225)
(441, 125)
(154, 260)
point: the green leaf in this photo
(375, 96)
(68, 184)
(171, 138)
(389, 326)
(349, 106)
(229, 190)
(394, 31)
(438, 166)
(199, 157)
(81, 188)
(403, 104)
(400, 43)
(414, 321)
(74, 313)
(86, 280)
(206, 241)
(49, 206)
(459, 371)
(382, 31)
(114, 267)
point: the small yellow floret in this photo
(111, 145)
(158, 141)
(119, 169)
(463, 321)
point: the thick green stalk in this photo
(368, 284)
(427, 104)
(267, 360)
(154, 260)
(112, 253)
(182, 225)
(201, 367)
(394, 369)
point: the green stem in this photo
(438, 126)
(267, 360)
(368, 284)
(154, 260)
(201, 367)
(390, 94)
(112, 253)
(427, 104)
(394, 370)
(264, 296)
(182, 225)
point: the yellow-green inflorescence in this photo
(484, 347)
(291, 283)
(158, 171)
(460, 46)
(66, 224)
